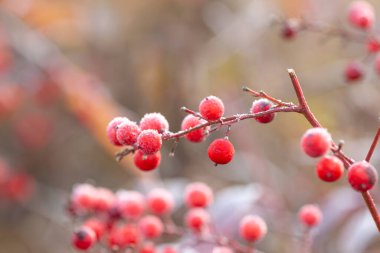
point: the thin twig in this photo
(373, 145)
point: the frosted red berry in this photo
(168, 249)
(373, 45)
(361, 14)
(131, 204)
(149, 141)
(198, 195)
(310, 215)
(329, 168)
(222, 250)
(160, 201)
(211, 108)
(155, 121)
(147, 247)
(104, 199)
(316, 141)
(362, 176)
(120, 237)
(112, 128)
(146, 162)
(127, 132)
(262, 105)
(151, 226)
(19, 187)
(191, 121)
(197, 219)
(95, 225)
(83, 197)
(83, 238)
(221, 151)
(252, 228)
(354, 71)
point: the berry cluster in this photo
(360, 16)
(128, 219)
(146, 138)
(316, 142)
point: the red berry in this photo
(221, 151)
(211, 108)
(11, 96)
(310, 215)
(222, 250)
(197, 219)
(83, 197)
(131, 204)
(127, 132)
(316, 141)
(95, 225)
(147, 162)
(149, 141)
(252, 228)
(361, 14)
(262, 105)
(147, 247)
(198, 195)
(289, 29)
(121, 237)
(112, 128)
(151, 226)
(83, 238)
(197, 135)
(19, 187)
(330, 168)
(373, 45)
(104, 199)
(160, 201)
(155, 121)
(168, 249)
(354, 72)
(362, 176)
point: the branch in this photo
(336, 149)
(373, 145)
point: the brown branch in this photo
(325, 29)
(120, 155)
(229, 120)
(373, 145)
(262, 94)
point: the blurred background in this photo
(68, 67)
